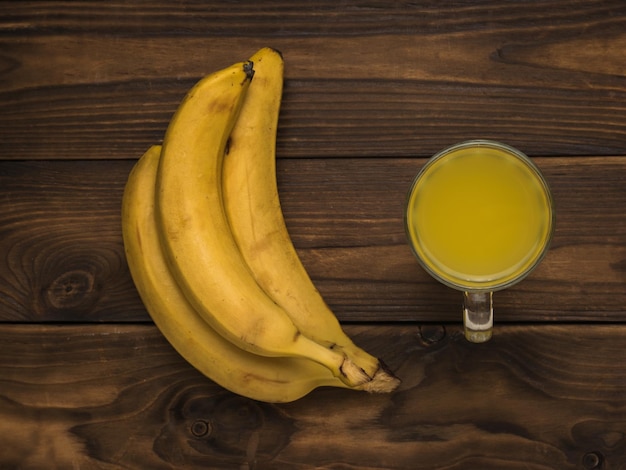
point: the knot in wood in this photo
(71, 290)
(201, 428)
(222, 428)
(592, 460)
(431, 334)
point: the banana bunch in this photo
(211, 257)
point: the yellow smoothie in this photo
(479, 217)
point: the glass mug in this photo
(479, 217)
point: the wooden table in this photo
(372, 89)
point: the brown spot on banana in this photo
(138, 232)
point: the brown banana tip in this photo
(248, 68)
(382, 382)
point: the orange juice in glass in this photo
(479, 217)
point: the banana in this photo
(274, 380)
(254, 212)
(197, 239)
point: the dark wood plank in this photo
(101, 80)
(301, 17)
(61, 254)
(111, 396)
(60, 239)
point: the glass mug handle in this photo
(478, 315)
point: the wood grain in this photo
(303, 18)
(119, 397)
(62, 257)
(362, 78)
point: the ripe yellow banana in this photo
(197, 239)
(253, 209)
(269, 379)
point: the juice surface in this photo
(479, 217)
